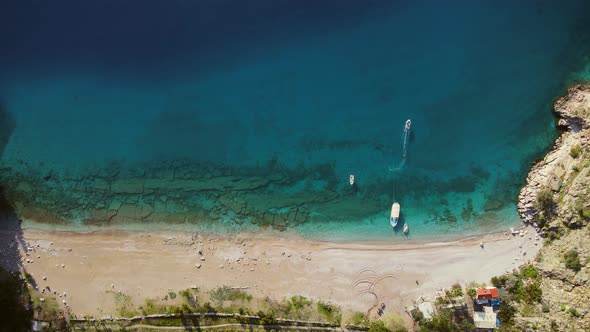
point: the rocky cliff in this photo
(556, 200)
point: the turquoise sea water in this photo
(253, 114)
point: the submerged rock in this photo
(492, 204)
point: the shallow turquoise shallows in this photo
(282, 101)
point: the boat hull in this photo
(393, 222)
(394, 216)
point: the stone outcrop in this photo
(565, 174)
(557, 165)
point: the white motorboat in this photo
(394, 216)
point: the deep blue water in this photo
(301, 83)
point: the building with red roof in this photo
(487, 293)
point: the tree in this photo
(14, 300)
(545, 200)
(506, 314)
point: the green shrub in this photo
(575, 151)
(513, 284)
(554, 234)
(545, 200)
(222, 294)
(572, 260)
(266, 319)
(171, 295)
(358, 318)
(456, 291)
(506, 313)
(530, 293)
(542, 219)
(417, 316)
(299, 302)
(330, 311)
(124, 305)
(574, 312)
(563, 307)
(206, 307)
(546, 308)
(471, 292)
(377, 326)
(500, 282)
(441, 301)
(189, 296)
(529, 271)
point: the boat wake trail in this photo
(405, 141)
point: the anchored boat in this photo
(394, 217)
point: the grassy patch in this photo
(378, 326)
(329, 311)
(227, 294)
(299, 302)
(358, 318)
(124, 306)
(228, 300)
(529, 310)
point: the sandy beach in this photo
(90, 266)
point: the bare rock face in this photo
(565, 174)
(573, 111)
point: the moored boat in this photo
(394, 216)
(406, 229)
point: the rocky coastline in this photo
(551, 171)
(556, 200)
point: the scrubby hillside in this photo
(556, 199)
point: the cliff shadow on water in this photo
(10, 229)
(15, 315)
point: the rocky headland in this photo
(556, 200)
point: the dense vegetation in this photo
(227, 300)
(445, 322)
(15, 314)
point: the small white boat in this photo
(351, 179)
(408, 124)
(406, 229)
(394, 217)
